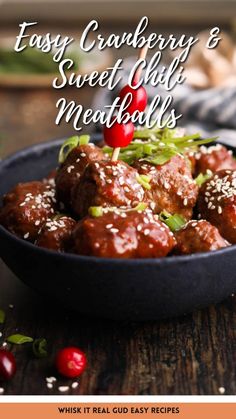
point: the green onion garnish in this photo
(99, 211)
(174, 222)
(2, 316)
(19, 339)
(40, 348)
(140, 207)
(95, 211)
(144, 181)
(71, 143)
(202, 178)
(67, 146)
(84, 139)
(158, 146)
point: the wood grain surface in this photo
(195, 354)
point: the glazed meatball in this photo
(198, 236)
(172, 186)
(123, 235)
(214, 158)
(217, 203)
(191, 161)
(107, 184)
(26, 208)
(72, 169)
(56, 233)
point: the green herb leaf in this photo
(174, 222)
(2, 316)
(19, 339)
(95, 211)
(40, 348)
(202, 178)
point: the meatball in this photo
(214, 158)
(107, 184)
(198, 236)
(191, 161)
(72, 169)
(26, 208)
(56, 233)
(172, 186)
(217, 203)
(123, 235)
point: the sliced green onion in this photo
(66, 148)
(2, 316)
(95, 211)
(84, 139)
(19, 339)
(202, 178)
(71, 143)
(175, 222)
(162, 158)
(40, 348)
(158, 146)
(144, 181)
(99, 211)
(140, 207)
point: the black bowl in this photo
(144, 289)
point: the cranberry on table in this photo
(7, 364)
(71, 362)
(138, 101)
(119, 135)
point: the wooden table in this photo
(195, 354)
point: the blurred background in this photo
(28, 102)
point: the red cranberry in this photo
(119, 135)
(139, 98)
(7, 364)
(70, 362)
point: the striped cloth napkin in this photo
(212, 112)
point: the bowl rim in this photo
(99, 260)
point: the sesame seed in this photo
(146, 232)
(70, 168)
(51, 379)
(185, 202)
(109, 226)
(82, 154)
(0, 334)
(63, 389)
(220, 210)
(26, 235)
(221, 390)
(49, 385)
(74, 385)
(114, 230)
(37, 222)
(1, 390)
